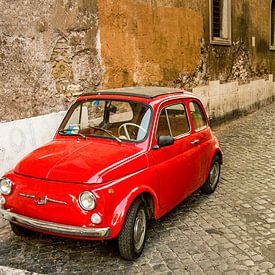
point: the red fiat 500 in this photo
(119, 158)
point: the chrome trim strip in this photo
(40, 201)
(27, 196)
(55, 227)
(56, 201)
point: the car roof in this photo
(143, 92)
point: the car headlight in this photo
(5, 186)
(87, 200)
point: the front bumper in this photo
(55, 227)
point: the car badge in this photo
(40, 201)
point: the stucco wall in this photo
(149, 32)
(20, 137)
(144, 43)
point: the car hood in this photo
(82, 161)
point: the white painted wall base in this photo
(18, 138)
(221, 100)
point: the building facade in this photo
(50, 50)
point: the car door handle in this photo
(194, 141)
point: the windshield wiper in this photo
(63, 131)
(106, 131)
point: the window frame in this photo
(271, 28)
(204, 115)
(168, 122)
(80, 102)
(220, 40)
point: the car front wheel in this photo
(213, 177)
(132, 237)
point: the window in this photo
(220, 22)
(173, 121)
(198, 118)
(89, 113)
(121, 120)
(122, 111)
(272, 25)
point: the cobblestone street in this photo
(229, 232)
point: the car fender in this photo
(216, 151)
(122, 208)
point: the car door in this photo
(202, 135)
(178, 164)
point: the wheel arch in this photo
(151, 205)
(148, 201)
(216, 152)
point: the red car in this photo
(119, 158)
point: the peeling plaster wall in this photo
(48, 49)
(52, 49)
(241, 61)
(167, 42)
(75, 57)
(24, 71)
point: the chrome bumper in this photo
(55, 227)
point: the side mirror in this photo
(165, 141)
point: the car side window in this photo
(198, 117)
(163, 126)
(173, 121)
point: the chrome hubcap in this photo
(139, 229)
(214, 174)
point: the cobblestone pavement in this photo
(229, 232)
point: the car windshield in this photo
(120, 120)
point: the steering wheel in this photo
(124, 126)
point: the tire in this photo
(21, 231)
(132, 236)
(213, 177)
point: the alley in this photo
(229, 232)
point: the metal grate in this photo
(273, 23)
(216, 15)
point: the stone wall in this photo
(47, 50)
(52, 49)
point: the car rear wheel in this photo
(213, 177)
(132, 237)
(21, 231)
